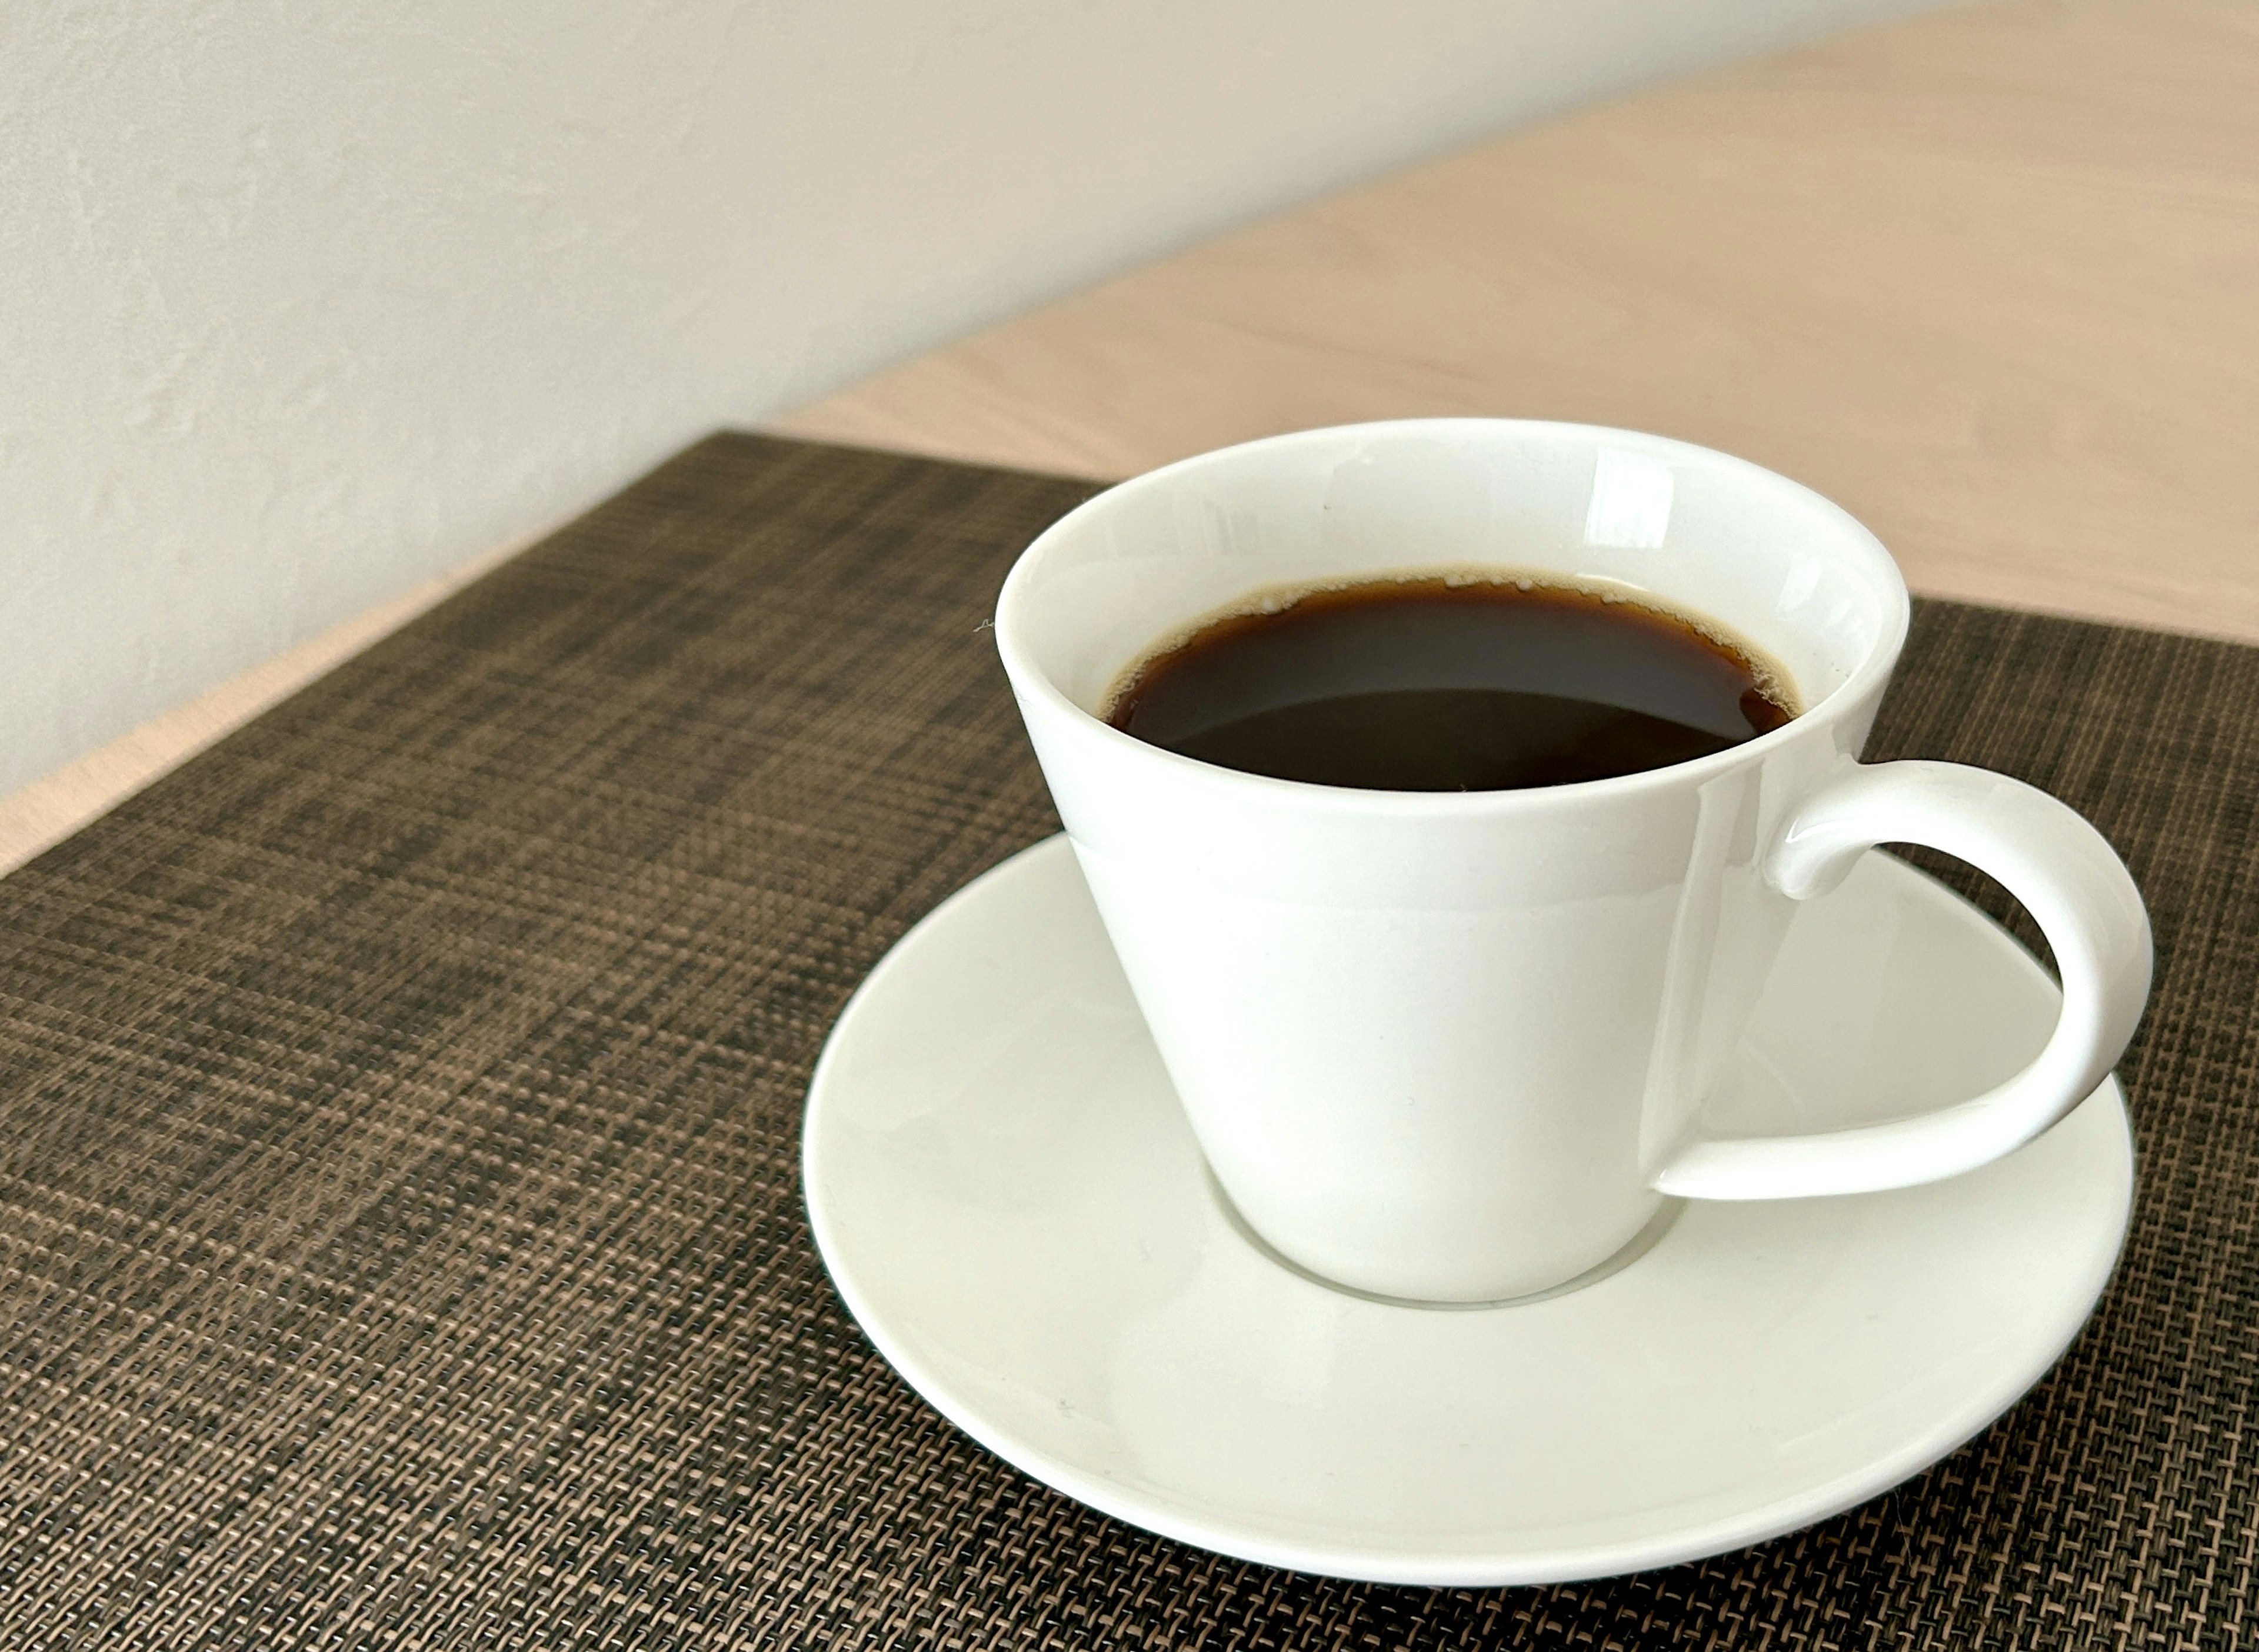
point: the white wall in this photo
(302, 303)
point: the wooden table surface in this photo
(1989, 279)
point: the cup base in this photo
(1637, 1246)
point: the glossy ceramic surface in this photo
(1005, 1192)
(1453, 1045)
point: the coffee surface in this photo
(1436, 685)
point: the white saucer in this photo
(1011, 1204)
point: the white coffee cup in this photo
(1454, 1047)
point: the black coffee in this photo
(1428, 685)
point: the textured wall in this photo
(301, 304)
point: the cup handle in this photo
(2073, 884)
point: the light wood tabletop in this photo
(1989, 279)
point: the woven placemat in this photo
(399, 1208)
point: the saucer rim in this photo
(1456, 1568)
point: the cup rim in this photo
(1031, 682)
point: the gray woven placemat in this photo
(399, 1211)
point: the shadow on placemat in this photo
(402, 1223)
